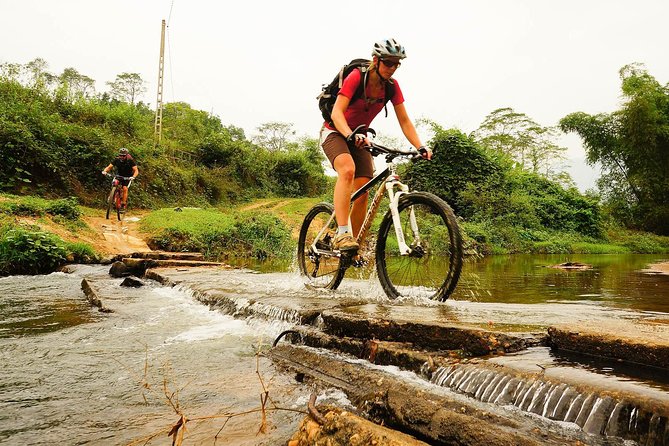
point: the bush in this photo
(24, 207)
(65, 207)
(30, 252)
(81, 253)
(262, 235)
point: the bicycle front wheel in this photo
(316, 260)
(110, 201)
(117, 203)
(432, 267)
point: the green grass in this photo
(494, 238)
(219, 234)
(29, 206)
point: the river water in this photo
(72, 375)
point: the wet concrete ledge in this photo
(139, 266)
(414, 409)
(648, 353)
(424, 328)
(427, 334)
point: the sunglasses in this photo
(390, 63)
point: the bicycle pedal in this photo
(359, 262)
(348, 253)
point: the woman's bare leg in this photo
(345, 168)
(359, 208)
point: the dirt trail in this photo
(270, 204)
(116, 237)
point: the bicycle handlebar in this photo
(391, 153)
(119, 176)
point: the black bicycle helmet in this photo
(388, 48)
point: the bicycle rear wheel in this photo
(432, 269)
(110, 201)
(321, 266)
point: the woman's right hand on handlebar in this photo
(357, 139)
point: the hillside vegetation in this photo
(56, 135)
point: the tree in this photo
(519, 137)
(76, 85)
(127, 87)
(632, 146)
(11, 71)
(40, 78)
(274, 136)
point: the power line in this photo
(169, 57)
(169, 16)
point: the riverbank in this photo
(261, 229)
(278, 220)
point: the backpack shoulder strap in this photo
(390, 92)
(361, 91)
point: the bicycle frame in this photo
(392, 181)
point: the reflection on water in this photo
(42, 305)
(615, 280)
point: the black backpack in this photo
(329, 92)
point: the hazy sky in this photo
(255, 61)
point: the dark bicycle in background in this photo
(115, 198)
(418, 246)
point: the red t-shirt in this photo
(356, 114)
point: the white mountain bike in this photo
(418, 246)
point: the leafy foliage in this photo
(502, 204)
(36, 207)
(127, 87)
(520, 138)
(30, 252)
(56, 135)
(632, 146)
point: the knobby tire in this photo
(110, 201)
(322, 271)
(423, 275)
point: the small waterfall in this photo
(599, 416)
(613, 427)
(596, 415)
(240, 307)
(275, 313)
(574, 408)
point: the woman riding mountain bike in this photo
(125, 167)
(344, 148)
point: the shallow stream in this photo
(72, 375)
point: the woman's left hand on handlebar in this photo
(425, 152)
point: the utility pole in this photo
(158, 127)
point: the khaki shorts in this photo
(334, 144)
